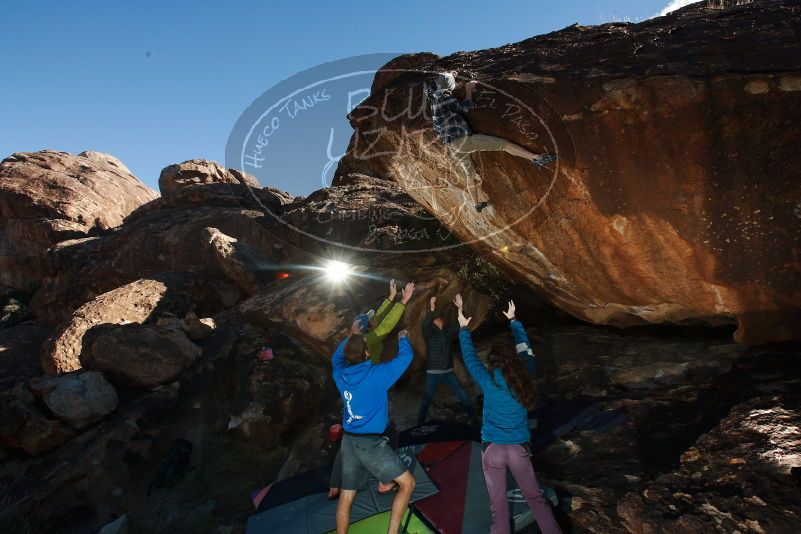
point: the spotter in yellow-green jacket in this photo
(375, 327)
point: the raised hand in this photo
(403, 333)
(457, 301)
(433, 302)
(510, 313)
(463, 321)
(407, 292)
(393, 289)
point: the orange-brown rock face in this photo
(676, 195)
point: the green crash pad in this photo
(380, 522)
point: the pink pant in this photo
(496, 459)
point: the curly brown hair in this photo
(503, 356)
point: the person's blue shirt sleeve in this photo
(523, 345)
(394, 369)
(474, 366)
(338, 361)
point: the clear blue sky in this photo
(154, 83)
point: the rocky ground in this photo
(131, 319)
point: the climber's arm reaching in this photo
(338, 360)
(474, 366)
(522, 343)
(387, 304)
(428, 323)
(394, 369)
(393, 317)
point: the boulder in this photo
(738, 477)
(674, 390)
(273, 395)
(658, 209)
(370, 220)
(196, 328)
(219, 195)
(362, 220)
(640, 366)
(243, 264)
(171, 229)
(201, 171)
(303, 307)
(307, 307)
(49, 196)
(23, 425)
(131, 303)
(377, 227)
(78, 399)
(136, 302)
(141, 356)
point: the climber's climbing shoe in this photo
(544, 160)
(481, 206)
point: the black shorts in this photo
(368, 454)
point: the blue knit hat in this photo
(364, 320)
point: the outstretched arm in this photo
(428, 325)
(428, 322)
(474, 366)
(390, 321)
(381, 314)
(387, 304)
(338, 360)
(395, 368)
(394, 316)
(522, 343)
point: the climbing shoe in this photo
(481, 206)
(544, 160)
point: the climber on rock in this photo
(439, 355)
(365, 449)
(508, 395)
(386, 319)
(451, 126)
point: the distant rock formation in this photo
(201, 171)
(675, 198)
(49, 196)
